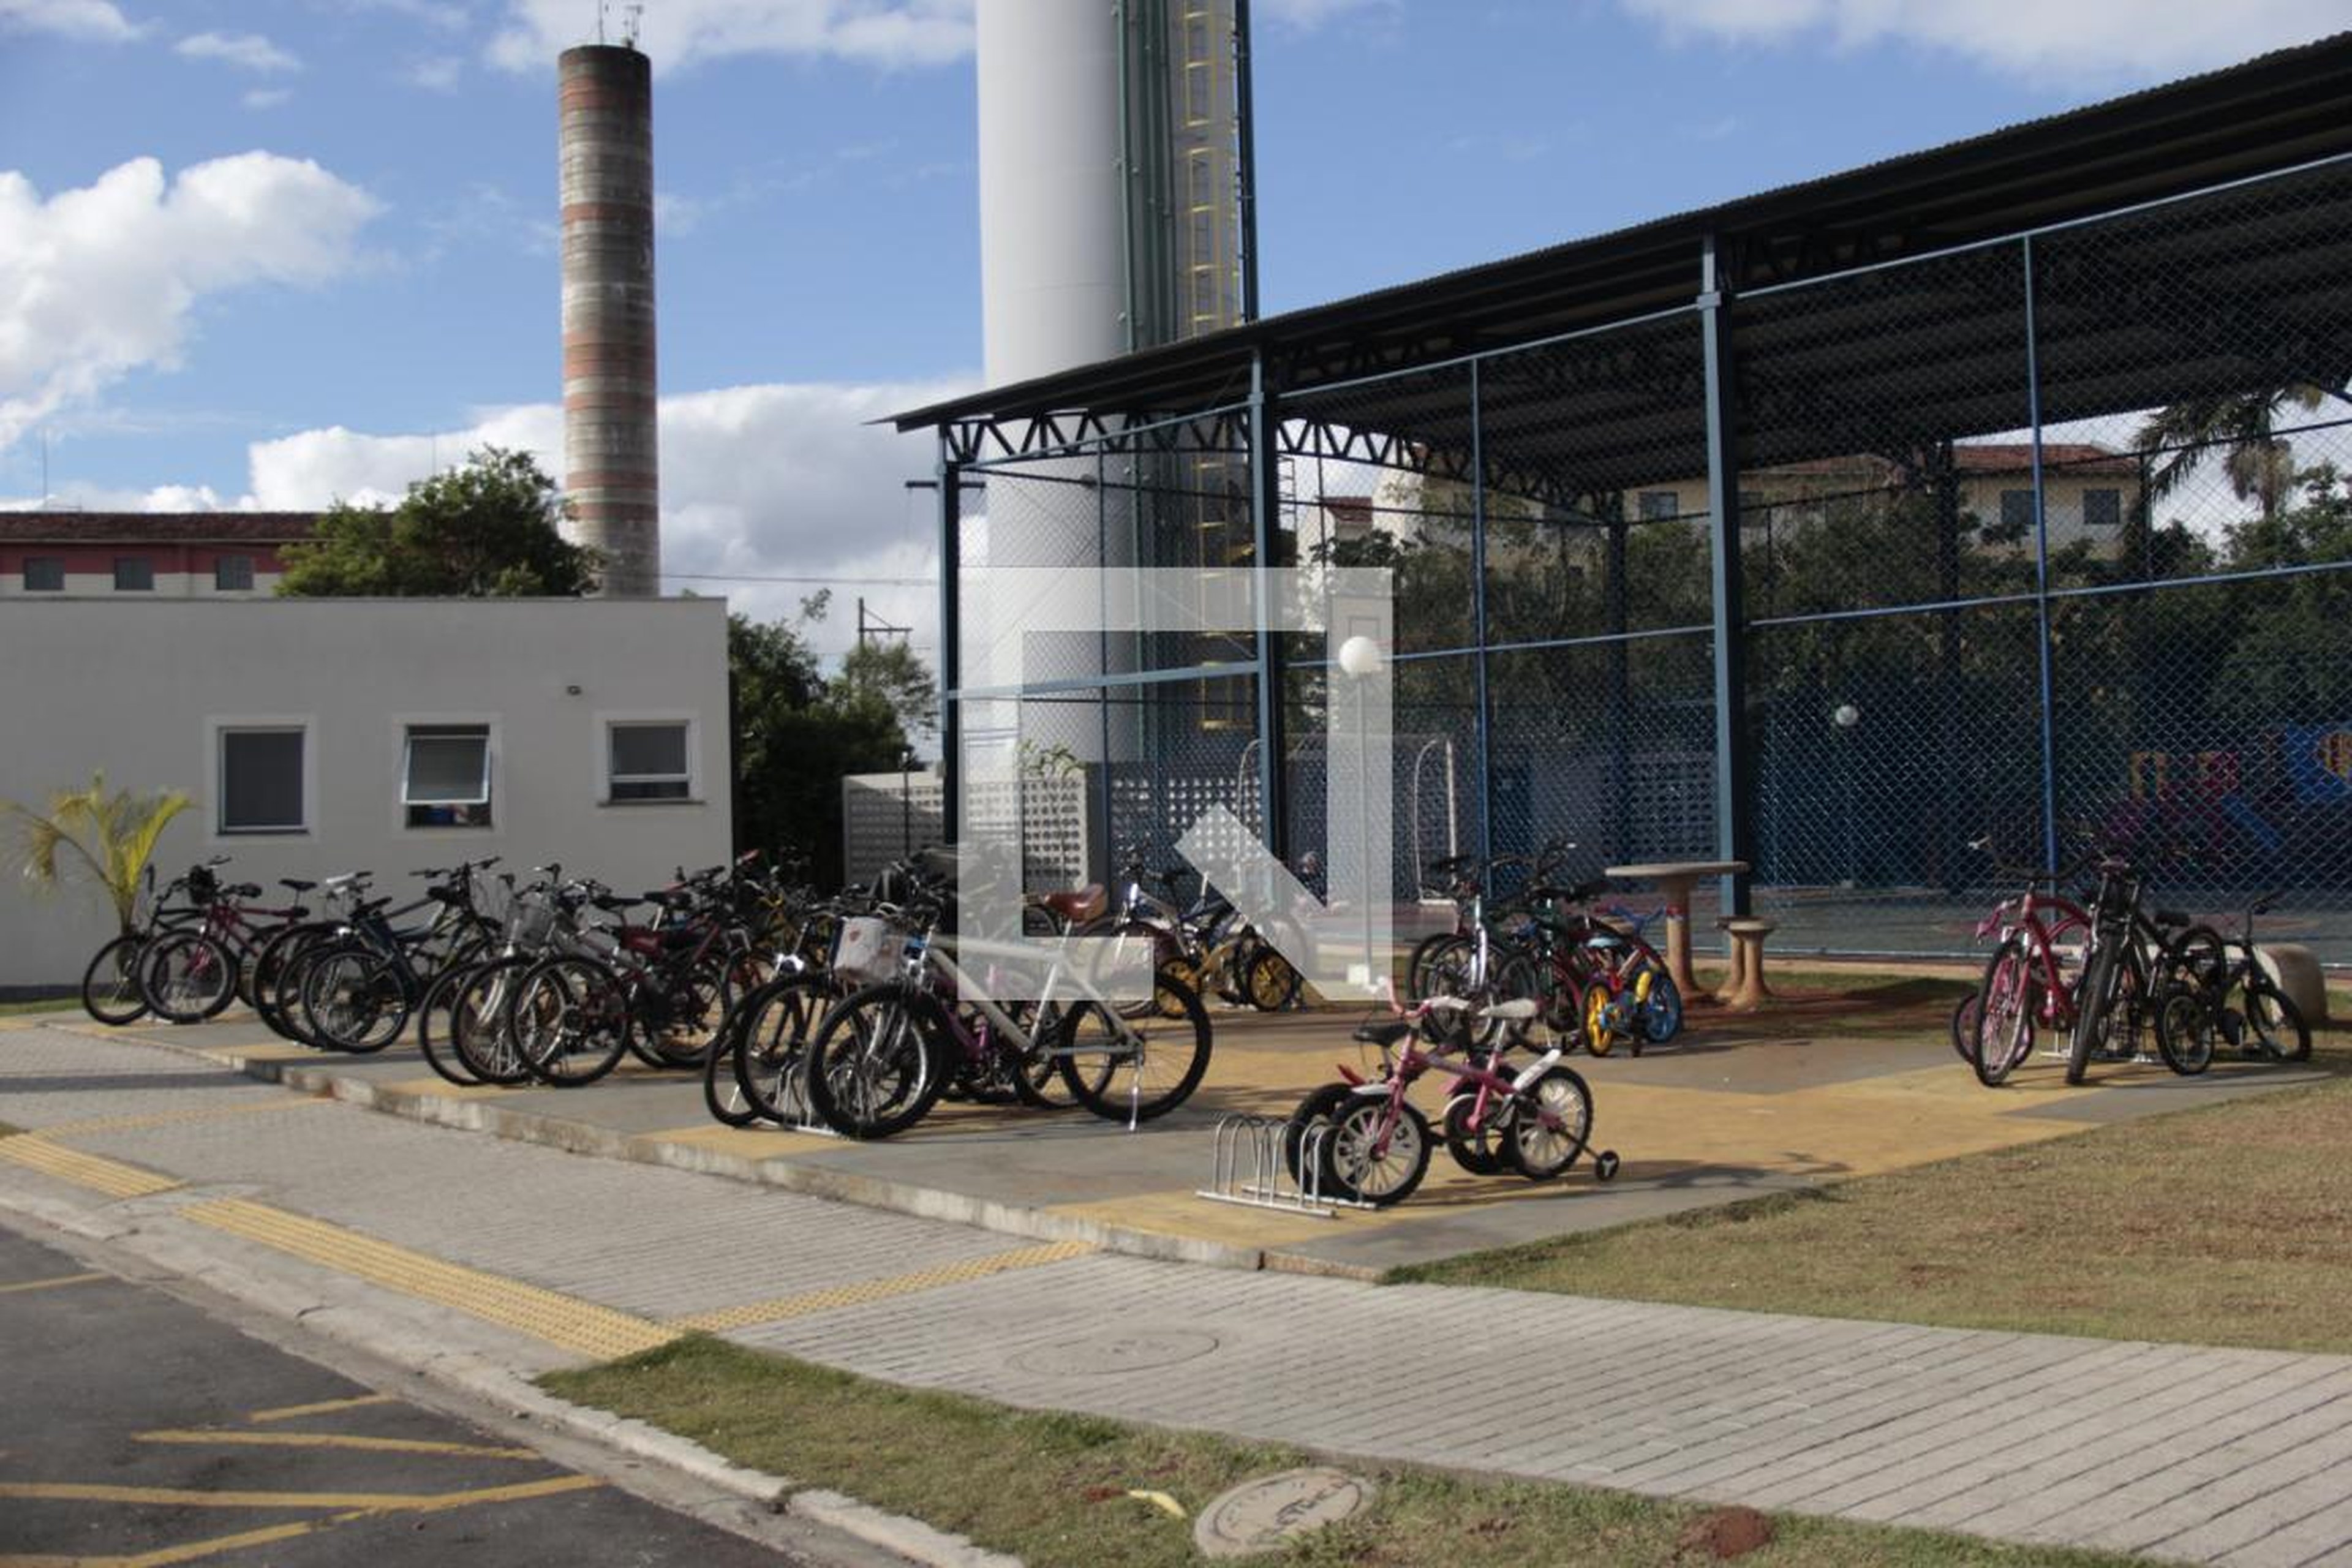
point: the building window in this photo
(261, 781)
(2016, 513)
(134, 574)
(2103, 509)
(648, 761)
(444, 775)
(44, 574)
(233, 573)
(1659, 505)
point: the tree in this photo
(891, 676)
(488, 528)
(107, 837)
(2245, 427)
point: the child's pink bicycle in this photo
(1365, 1143)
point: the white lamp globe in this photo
(1845, 716)
(1359, 656)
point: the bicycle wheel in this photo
(269, 969)
(873, 1067)
(1549, 1125)
(2185, 1027)
(1419, 968)
(110, 986)
(2009, 1000)
(1269, 980)
(481, 1020)
(1309, 1127)
(355, 1000)
(2273, 1023)
(570, 1020)
(2097, 999)
(1661, 1011)
(1133, 1070)
(767, 1052)
(1370, 1157)
(187, 977)
(1603, 1020)
(1963, 1025)
(434, 1014)
(693, 1008)
(1479, 1148)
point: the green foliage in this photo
(90, 834)
(798, 735)
(488, 528)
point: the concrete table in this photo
(1674, 879)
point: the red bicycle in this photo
(2029, 982)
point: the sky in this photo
(270, 254)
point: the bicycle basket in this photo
(867, 950)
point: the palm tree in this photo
(92, 834)
(2259, 461)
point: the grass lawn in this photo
(2224, 1225)
(54, 1003)
(1058, 1490)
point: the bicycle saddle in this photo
(1384, 1031)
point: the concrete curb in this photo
(898, 1198)
(471, 1375)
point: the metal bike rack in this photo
(1249, 1168)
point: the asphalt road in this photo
(134, 1426)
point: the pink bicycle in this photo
(1367, 1143)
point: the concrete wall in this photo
(145, 689)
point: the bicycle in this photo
(194, 972)
(1371, 1145)
(1629, 995)
(2197, 1015)
(358, 990)
(2027, 985)
(2128, 969)
(110, 992)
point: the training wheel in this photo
(1604, 1165)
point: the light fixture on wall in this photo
(571, 691)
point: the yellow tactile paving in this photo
(558, 1320)
(25, 1285)
(783, 1307)
(35, 1153)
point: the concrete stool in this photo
(1732, 960)
(2297, 973)
(1745, 986)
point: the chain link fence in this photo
(2041, 541)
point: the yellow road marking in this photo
(178, 1497)
(189, 1552)
(332, 1440)
(563, 1321)
(52, 1284)
(294, 1411)
(111, 1177)
(782, 1307)
(169, 1118)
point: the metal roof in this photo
(2269, 114)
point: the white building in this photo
(325, 735)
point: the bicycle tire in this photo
(110, 986)
(1478, 1150)
(1108, 1062)
(2096, 997)
(1661, 1013)
(570, 1021)
(2185, 1027)
(694, 1013)
(1541, 1152)
(1269, 980)
(481, 1020)
(2275, 1022)
(269, 970)
(187, 977)
(433, 1013)
(1962, 1026)
(355, 1000)
(767, 1054)
(1358, 1166)
(1417, 968)
(875, 1069)
(2008, 1007)
(1300, 1137)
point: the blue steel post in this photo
(951, 641)
(2041, 574)
(1265, 534)
(1486, 714)
(1733, 755)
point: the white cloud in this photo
(675, 33)
(69, 18)
(758, 482)
(93, 497)
(2096, 38)
(438, 73)
(98, 282)
(1308, 14)
(268, 97)
(247, 51)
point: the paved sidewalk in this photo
(529, 1257)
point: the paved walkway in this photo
(529, 1257)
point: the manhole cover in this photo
(1132, 1349)
(1260, 1515)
